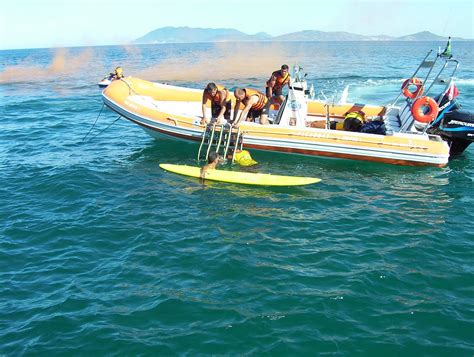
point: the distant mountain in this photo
(190, 34)
(312, 35)
(423, 36)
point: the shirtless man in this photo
(212, 162)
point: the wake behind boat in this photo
(419, 128)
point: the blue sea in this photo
(104, 253)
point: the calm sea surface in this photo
(102, 252)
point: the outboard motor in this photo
(457, 127)
(453, 124)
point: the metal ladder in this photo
(223, 138)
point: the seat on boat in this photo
(399, 119)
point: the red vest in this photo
(262, 99)
(217, 98)
(280, 79)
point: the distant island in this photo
(190, 35)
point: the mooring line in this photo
(93, 125)
(108, 126)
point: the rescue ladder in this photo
(224, 139)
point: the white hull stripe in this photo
(284, 143)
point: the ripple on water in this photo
(102, 251)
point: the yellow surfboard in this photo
(245, 178)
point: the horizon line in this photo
(222, 41)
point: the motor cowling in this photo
(458, 123)
(457, 126)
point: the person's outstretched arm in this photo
(204, 101)
(243, 114)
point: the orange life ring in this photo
(425, 110)
(412, 82)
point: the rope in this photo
(92, 127)
(108, 126)
(446, 22)
(129, 87)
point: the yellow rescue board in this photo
(245, 178)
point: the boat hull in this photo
(104, 83)
(173, 112)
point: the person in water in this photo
(220, 103)
(255, 105)
(212, 162)
(275, 84)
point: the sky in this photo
(60, 23)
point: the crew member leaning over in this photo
(255, 105)
(220, 103)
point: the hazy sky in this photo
(56, 23)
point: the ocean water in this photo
(102, 252)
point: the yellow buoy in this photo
(243, 158)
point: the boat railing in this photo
(428, 80)
(438, 78)
(424, 63)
